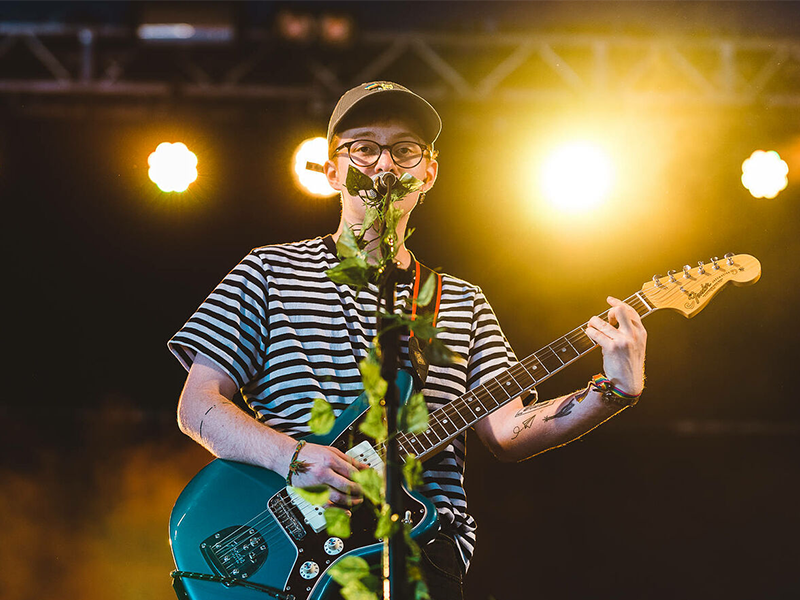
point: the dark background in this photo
(693, 494)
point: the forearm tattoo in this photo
(526, 424)
(567, 407)
(200, 432)
(533, 408)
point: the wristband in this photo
(611, 394)
(296, 466)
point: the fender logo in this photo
(705, 288)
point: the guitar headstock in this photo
(689, 290)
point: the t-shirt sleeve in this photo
(230, 326)
(490, 353)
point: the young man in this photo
(278, 329)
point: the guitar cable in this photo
(228, 581)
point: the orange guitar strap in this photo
(416, 346)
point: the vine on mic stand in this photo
(359, 267)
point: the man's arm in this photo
(515, 433)
(207, 414)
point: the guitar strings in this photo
(576, 338)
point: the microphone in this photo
(384, 181)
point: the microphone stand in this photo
(394, 555)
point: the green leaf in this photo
(393, 216)
(374, 423)
(426, 291)
(355, 590)
(338, 522)
(405, 185)
(371, 484)
(357, 181)
(438, 354)
(371, 214)
(413, 416)
(322, 417)
(374, 385)
(412, 471)
(348, 569)
(385, 526)
(423, 327)
(347, 244)
(351, 271)
(420, 589)
(317, 495)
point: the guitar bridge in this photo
(281, 506)
(235, 552)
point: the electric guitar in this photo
(238, 533)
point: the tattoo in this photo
(200, 432)
(526, 424)
(563, 411)
(533, 407)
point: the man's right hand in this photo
(325, 465)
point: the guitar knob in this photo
(333, 546)
(729, 257)
(716, 266)
(671, 274)
(686, 273)
(701, 264)
(309, 570)
(657, 281)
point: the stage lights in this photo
(307, 162)
(172, 167)
(304, 28)
(764, 174)
(577, 177)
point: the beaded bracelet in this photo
(296, 466)
(611, 394)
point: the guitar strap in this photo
(417, 346)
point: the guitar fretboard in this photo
(447, 422)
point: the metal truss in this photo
(53, 62)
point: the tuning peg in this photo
(686, 274)
(716, 266)
(700, 264)
(729, 256)
(657, 281)
(671, 275)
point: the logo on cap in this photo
(380, 86)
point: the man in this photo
(278, 329)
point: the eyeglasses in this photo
(366, 153)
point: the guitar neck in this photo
(447, 422)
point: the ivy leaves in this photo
(361, 265)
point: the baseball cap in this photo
(391, 95)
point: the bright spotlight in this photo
(577, 177)
(764, 174)
(312, 153)
(172, 167)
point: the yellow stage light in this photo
(764, 174)
(577, 177)
(312, 152)
(172, 167)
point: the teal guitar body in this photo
(238, 533)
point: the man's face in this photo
(385, 133)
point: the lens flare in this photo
(312, 151)
(764, 174)
(577, 177)
(172, 167)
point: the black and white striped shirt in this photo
(286, 334)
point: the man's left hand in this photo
(622, 339)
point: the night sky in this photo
(692, 494)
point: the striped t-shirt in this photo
(287, 334)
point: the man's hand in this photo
(324, 465)
(622, 340)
